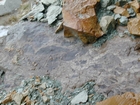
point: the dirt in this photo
(33, 49)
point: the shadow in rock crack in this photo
(2, 75)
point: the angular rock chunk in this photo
(135, 5)
(80, 20)
(134, 26)
(81, 97)
(121, 11)
(53, 12)
(106, 23)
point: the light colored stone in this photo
(35, 10)
(111, 7)
(105, 3)
(7, 6)
(45, 99)
(81, 97)
(105, 23)
(59, 28)
(44, 20)
(52, 13)
(17, 98)
(43, 85)
(39, 16)
(50, 91)
(123, 20)
(3, 31)
(48, 2)
(117, 16)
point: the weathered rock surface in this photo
(80, 20)
(134, 26)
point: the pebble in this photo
(50, 92)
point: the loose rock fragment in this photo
(123, 20)
(121, 11)
(111, 7)
(59, 28)
(106, 23)
(135, 5)
(134, 26)
(80, 20)
(81, 97)
(43, 86)
(53, 12)
(45, 99)
(17, 98)
(50, 91)
(37, 9)
(117, 16)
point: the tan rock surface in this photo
(135, 5)
(134, 26)
(121, 11)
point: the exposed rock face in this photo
(80, 20)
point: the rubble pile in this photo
(45, 11)
(80, 17)
(89, 20)
(45, 91)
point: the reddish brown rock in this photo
(80, 20)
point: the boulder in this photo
(80, 20)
